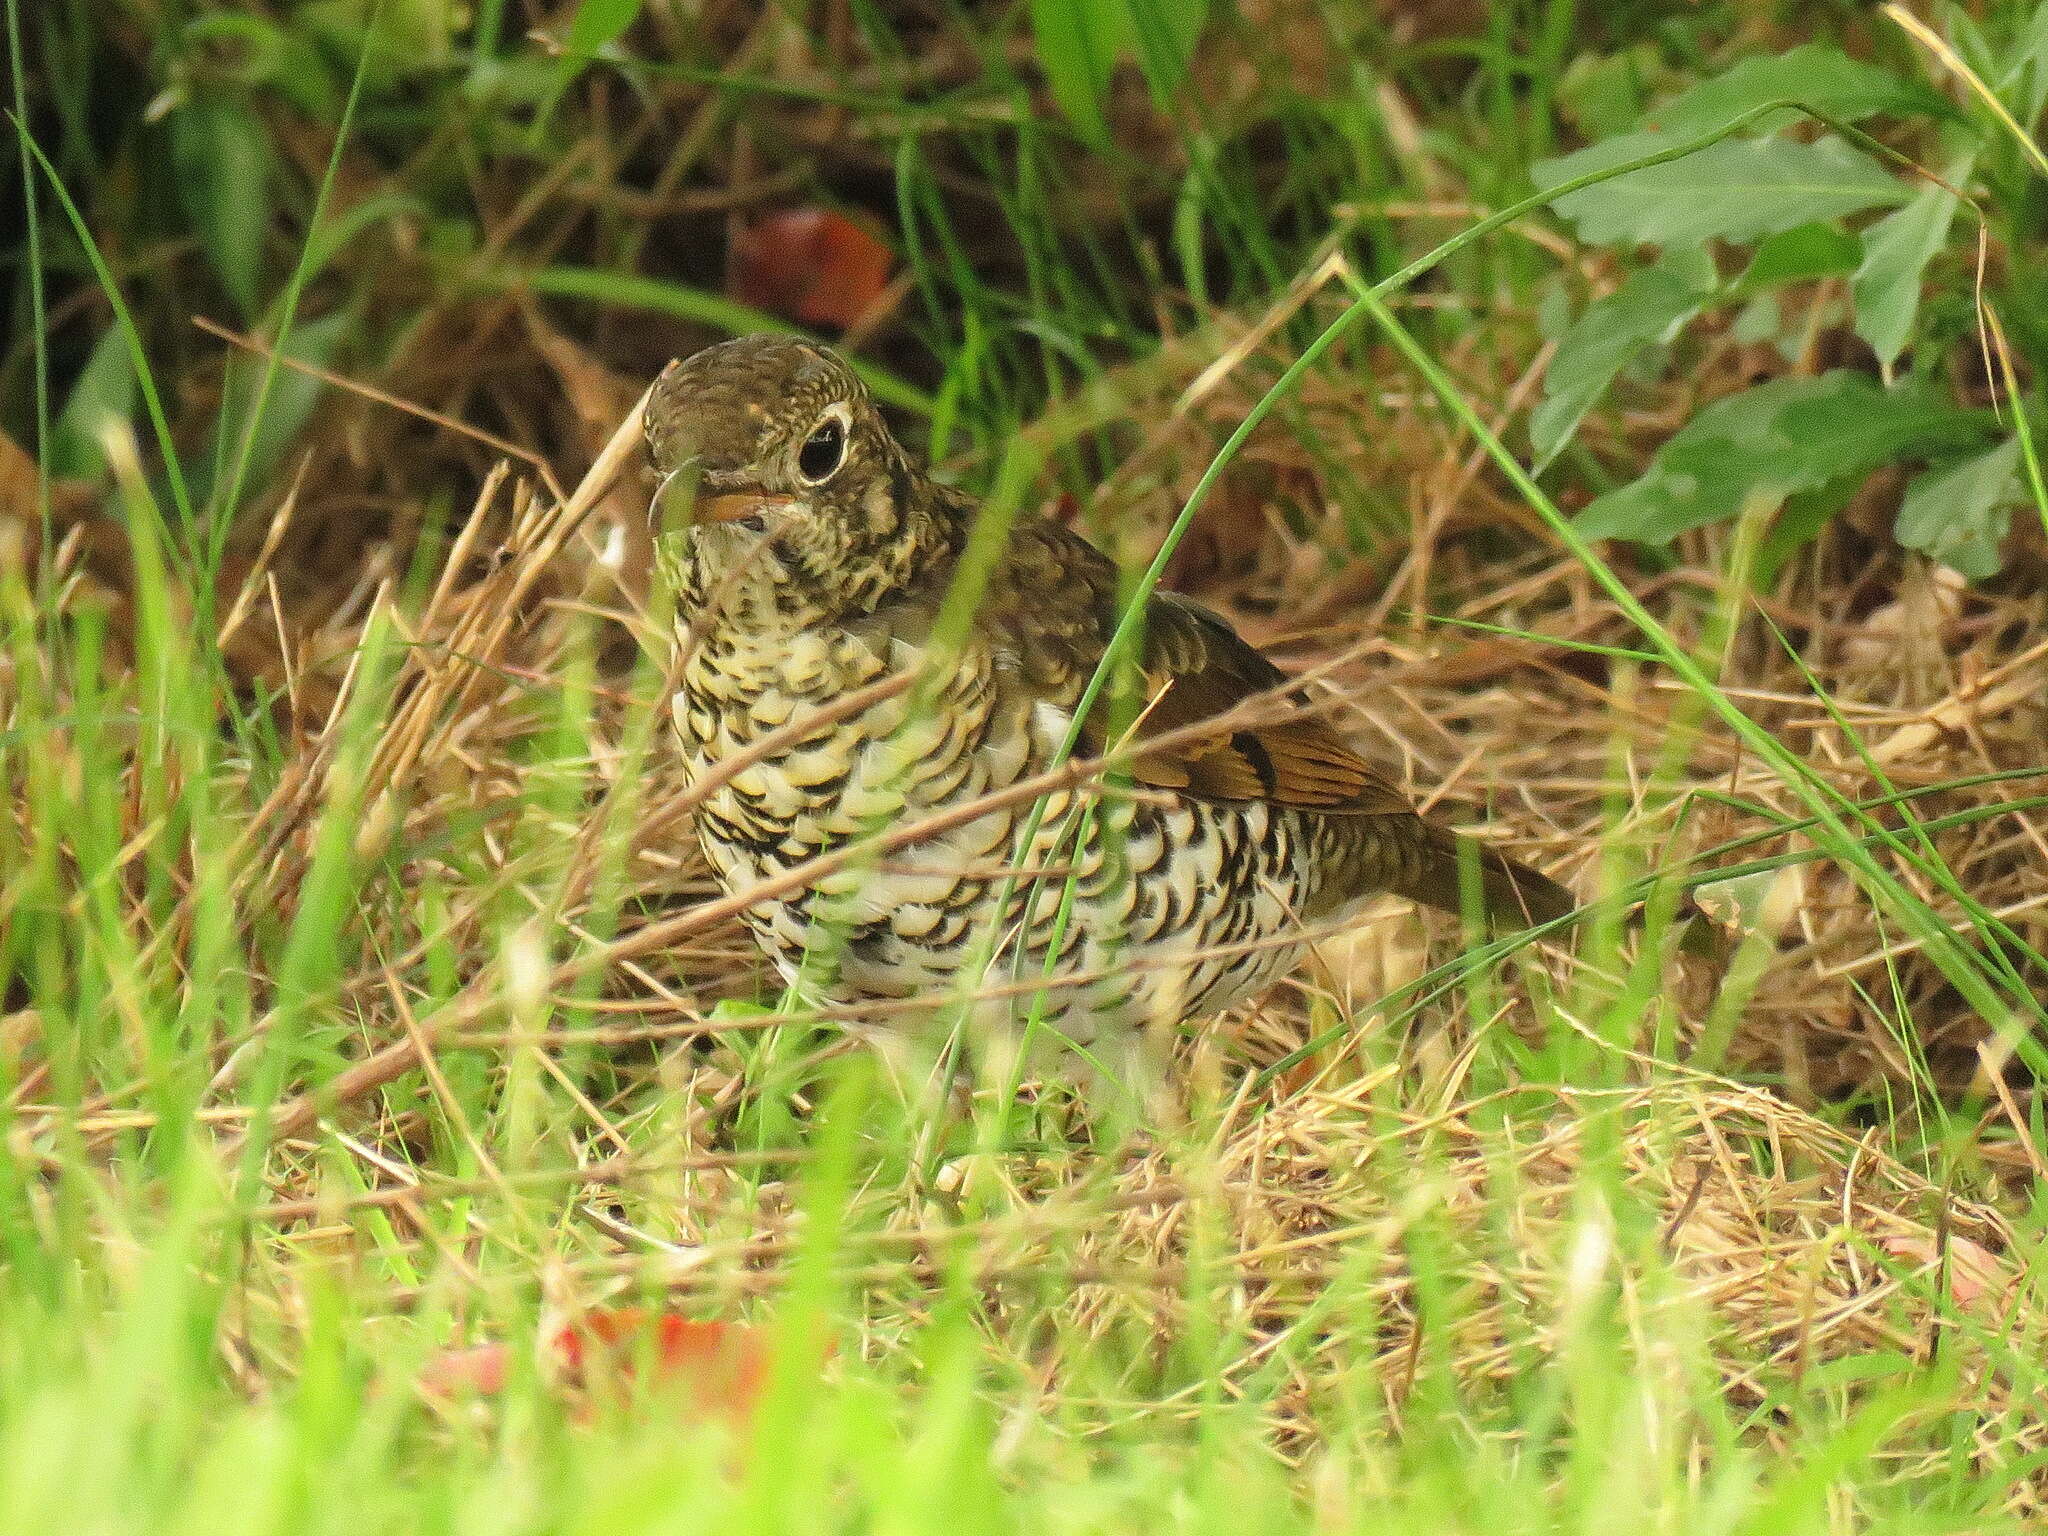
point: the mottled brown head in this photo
(794, 495)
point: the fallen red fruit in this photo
(809, 265)
(1976, 1275)
(720, 1368)
(723, 1366)
(476, 1372)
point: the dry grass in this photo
(1790, 1244)
(1404, 1217)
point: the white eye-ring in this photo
(819, 456)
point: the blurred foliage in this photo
(1067, 186)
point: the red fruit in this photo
(809, 265)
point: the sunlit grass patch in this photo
(363, 996)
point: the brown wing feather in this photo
(1054, 595)
(1197, 667)
(1051, 603)
(1194, 656)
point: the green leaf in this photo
(231, 46)
(737, 1010)
(1959, 514)
(221, 158)
(1738, 189)
(105, 392)
(1165, 33)
(596, 26)
(1799, 523)
(286, 409)
(1079, 42)
(246, 51)
(1645, 310)
(1813, 74)
(1779, 438)
(1852, 422)
(1602, 93)
(1758, 320)
(1896, 251)
(1801, 255)
(2029, 58)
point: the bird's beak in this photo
(751, 509)
(740, 507)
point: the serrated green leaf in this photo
(1779, 438)
(1738, 189)
(1813, 74)
(1896, 250)
(1854, 422)
(1645, 310)
(222, 158)
(1694, 264)
(1801, 255)
(1079, 42)
(1959, 514)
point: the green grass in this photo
(1485, 1247)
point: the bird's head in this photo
(782, 483)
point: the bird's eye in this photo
(823, 451)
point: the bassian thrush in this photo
(812, 559)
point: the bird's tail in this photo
(1511, 894)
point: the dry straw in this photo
(1780, 1242)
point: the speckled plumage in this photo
(798, 587)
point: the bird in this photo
(814, 560)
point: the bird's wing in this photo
(1049, 612)
(1196, 667)
(1052, 606)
